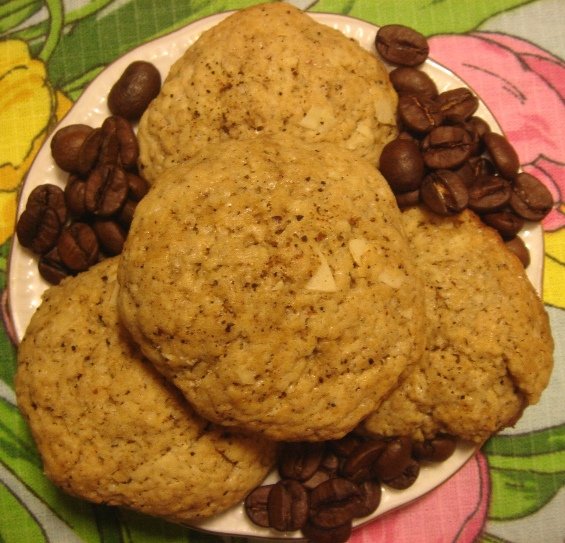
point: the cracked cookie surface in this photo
(271, 281)
(109, 428)
(269, 69)
(489, 352)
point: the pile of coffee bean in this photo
(324, 486)
(71, 229)
(445, 156)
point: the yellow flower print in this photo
(554, 268)
(29, 107)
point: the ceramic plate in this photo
(25, 285)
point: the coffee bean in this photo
(407, 199)
(489, 193)
(65, 146)
(402, 165)
(334, 502)
(120, 143)
(51, 267)
(38, 228)
(137, 186)
(105, 191)
(74, 197)
(401, 45)
(78, 247)
(133, 91)
(481, 166)
(446, 147)
(466, 173)
(49, 195)
(337, 534)
(371, 493)
(287, 505)
(437, 449)
(407, 478)
(317, 479)
(530, 198)
(358, 465)
(394, 458)
(518, 247)
(89, 152)
(480, 127)
(507, 223)
(346, 445)
(418, 113)
(330, 462)
(300, 460)
(412, 81)
(125, 215)
(111, 236)
(444, 192)
(503, 154)
(457, 105)
(255, 505)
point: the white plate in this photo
(25, 285)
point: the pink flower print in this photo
(454, 512)
(525, 88)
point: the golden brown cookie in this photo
(108, 426)
(268, 69)
(490, 350)
(271, 281)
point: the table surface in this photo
(510, 51)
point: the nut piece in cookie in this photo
(490, 350)
(269, 69)
(108, 427)
(271, 281)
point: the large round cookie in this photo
(268, 69)
(272, 283)
(490, 350)
(108, 426)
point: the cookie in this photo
(267, 69)
(271, 281)
(490, 350)
(108, 427)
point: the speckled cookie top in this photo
(108, 426)
(272, 282)
(268, 69)
(490, 350)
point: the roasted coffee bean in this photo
(137, 186)
(78, 247)
(256, 505)
(125, 215)
(105, 191)
(444, 192)
(480, 127)
(402, 165)
(394, 458)
(481, 166)
(518, 247)
(89, 152)
(300, 460)
(503, 154)
(317, 479)
(407, 80)
(346, 445)
(49, 195)
(530, 198)
(401, 45)
(111, 236)
(330, 462)
(287, 505)
(120, 143)
(334, 502)
(466, 173)
(418, 113)
(437, 449)
(407, 478)
(38, 228)
(506, 222)
(358, 465)
(65, 146)
(457, 105)
(408, 199)
(131, 93)
(74, 196)
(489, 193)
(337, 534)
(51, 267)
(446, 147)
(371, 493)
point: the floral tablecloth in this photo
(510, 51)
